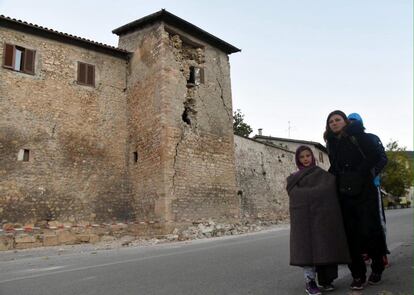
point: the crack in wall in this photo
(54, 130)
(228, 110)
(222, 100)
(175, 161)
(262, 165)
(189, 114)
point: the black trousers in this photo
(359, 269)
(364, 233)
(327, 273)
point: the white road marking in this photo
(130, 260)
(41, 269)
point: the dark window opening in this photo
(86, 74)
(321, 157)
(19, 59)
(26, 155)
(196, 76)
(135, 157)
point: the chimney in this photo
(260, 131)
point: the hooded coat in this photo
(317, 234)
(355, 153)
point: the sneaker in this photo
(358, 284)
(374, 278)
(312, 288)
(327, 287)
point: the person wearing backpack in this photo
(353, 156)
(379, 166)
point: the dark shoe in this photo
(358, 284)
(374, 278)
(327, 287)
(312, 288)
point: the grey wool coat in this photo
(317, 235)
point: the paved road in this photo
(250, 264)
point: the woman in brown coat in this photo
(317, 236)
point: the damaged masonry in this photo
(134, 140)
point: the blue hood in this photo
(355, 116)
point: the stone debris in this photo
(199, 230)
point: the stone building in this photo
(91, 133)
(320, 151)
(261, 172)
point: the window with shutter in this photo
(86, 74)
(29, 60)
(8, 56)
(91, 75)
(19, 59)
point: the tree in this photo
(239, 126)
(397, 175)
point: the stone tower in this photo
(179, 118)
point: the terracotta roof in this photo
(34, 29)
(171, 19)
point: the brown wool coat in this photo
(317, 235)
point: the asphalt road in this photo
(256, 263)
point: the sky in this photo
(300, 59)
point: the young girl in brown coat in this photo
(317, 237)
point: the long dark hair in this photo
(328, 132)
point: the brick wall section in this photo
(145, 121)
(261, 172)
(76, 136)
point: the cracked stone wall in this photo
(321, 158)
(76, 136)
(146, 121)
(142, 145)
(200, 163)
(261, 172)
(183, 135)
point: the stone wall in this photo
(75, 134)
(321, 157)
(199, 159)
(261, 172)
(182, 134)
(145, 115)
(142, 146)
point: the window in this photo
(196, 76)
(321, 157)
(86, 74)
(135, 157)
(19, 59)
(24, 155)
